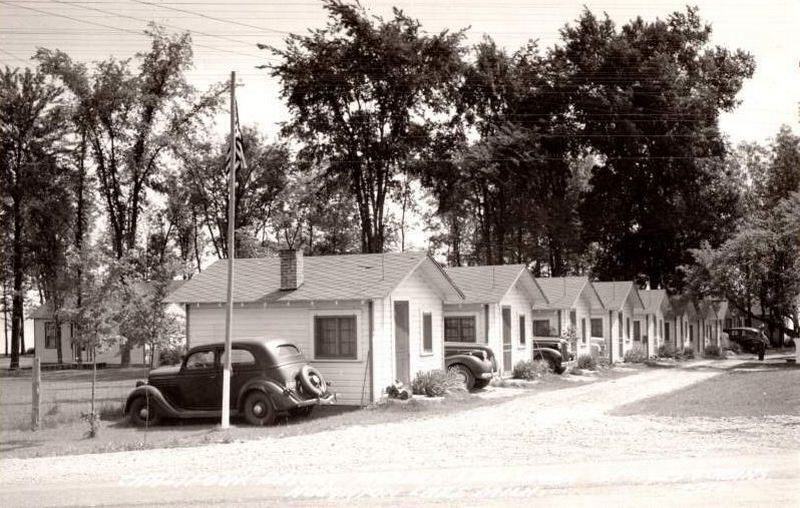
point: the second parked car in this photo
(475, 363)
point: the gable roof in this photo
(654, 299)
(614, 294)
(564, 292)
(489, 284)
(339, 277)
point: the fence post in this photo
(36, 400)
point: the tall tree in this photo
(31, 120)
(365, 95)
(648, 98)
(133, 118)
(257, 189)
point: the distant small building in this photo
(651, 323)
(571, 302)
(621, 301)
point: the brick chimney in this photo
(291, 269)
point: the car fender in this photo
(270, 388)
(473, 363)
(156, 397)
(550, 355)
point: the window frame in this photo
(592, 322)
(51, 325)
(316, 318)
(426, 334)
(460, 328)
(534, 326)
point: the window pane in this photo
(597, 327)
(522, 330)
(427, 332)
(287, 350)
(467, 329)
(200, 360)
(239, 357)
(451, 329)
(335, 337)
(541, 328)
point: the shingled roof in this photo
(653, 299)
(614, 294)
(489, 284)
(340, 277)
(563, 292)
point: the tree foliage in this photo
(366, 94)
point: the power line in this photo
(12, 55)
(213, 18)
(94, 23)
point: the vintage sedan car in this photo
(475, 363)
(751, 340)
(555, 351)
(267, 377)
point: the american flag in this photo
(239, 162)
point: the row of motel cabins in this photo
(366, 320)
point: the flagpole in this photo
(226, 369)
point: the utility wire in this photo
(94, 23)
(213, 18)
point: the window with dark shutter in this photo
(50, 335)
(583, 330)
(335, 337)
(522, 337)
(427, 332)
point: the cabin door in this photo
(401, 351)
(506, 339)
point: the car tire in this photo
(259, 409)
(463, 372)
(301, 412)
(312, 382)
(482, 383)
(143, 415)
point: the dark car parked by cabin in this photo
(475, 363)
(751, 340)
(554, 350)
(268, 377)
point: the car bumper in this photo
(324, 400)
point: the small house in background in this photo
(620, 301)
(363, 320)
(683, 313)
(651, 323)
(497, 310)
(571, 302)
(46, 336)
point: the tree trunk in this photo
(17, 268)
(5, 315)
(125, 355)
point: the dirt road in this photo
(559, 446)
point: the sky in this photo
(225, 36)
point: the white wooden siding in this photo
(421, 298)
(520, 306)
(293, 323)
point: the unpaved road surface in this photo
(558, 447)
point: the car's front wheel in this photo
(142, 413)
(464, 374)
(258, 409)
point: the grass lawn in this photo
(751, 389)
(63, 432)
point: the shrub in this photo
(586, 361)
(111, 411)
(530, 370)
(735, 347)
(688, 352)
(635, 355)
(664, 351)
(713, 351)
(435, 383)
(30, 351)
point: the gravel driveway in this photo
(567, 430)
